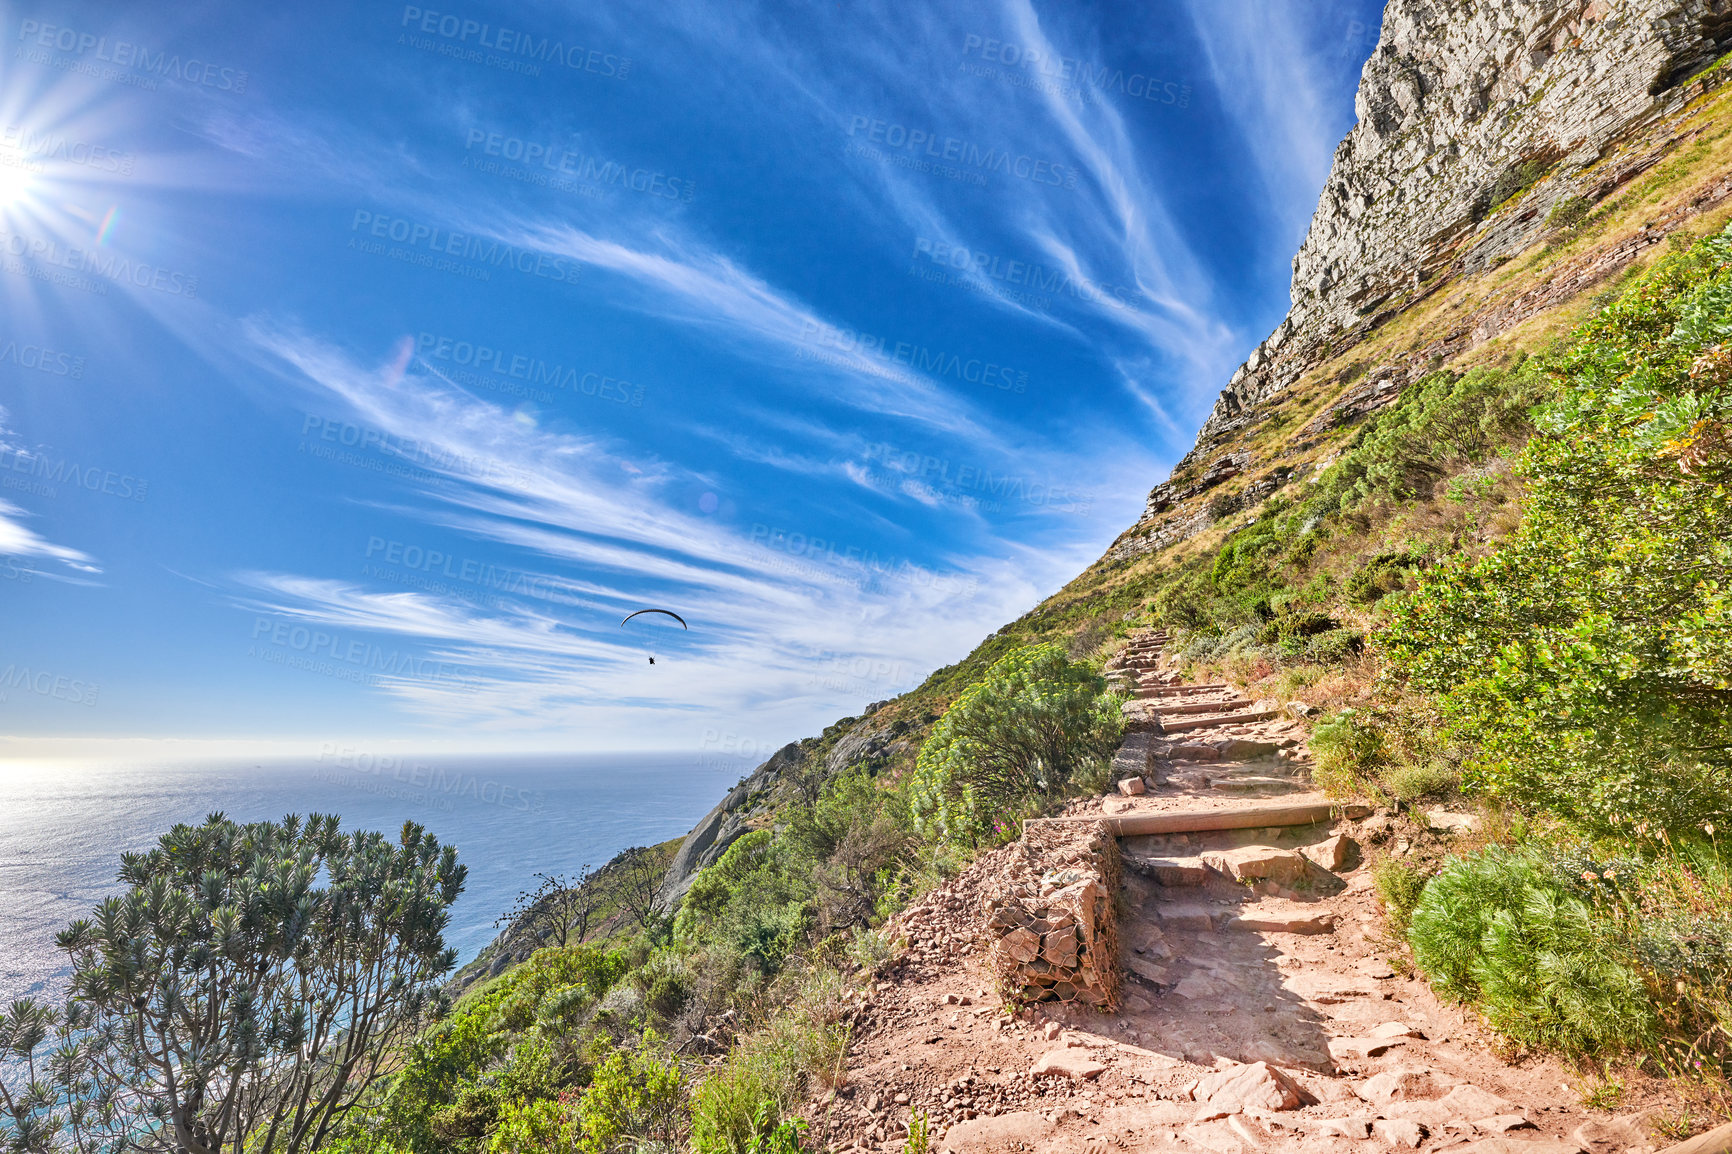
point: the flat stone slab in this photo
(1073, 1063)
(1251, 863)
(1296, 919)
(1022, 1129)
(1181, 708)
(1147, 971)
(1253, 784)
(1187, 724)
(1246, 749)
(1173, 871)
(1359, 1049)
(1257, 1085)
(1331, 989)
(1186, 917)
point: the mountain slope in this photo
(1511, 160)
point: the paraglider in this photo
(647, 634)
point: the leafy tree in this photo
(62, 1098)
(1013, 741)
(254, 980)
(749, 902)
(1589, 659)
(852, 842)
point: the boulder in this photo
(1399, 1131)
(1257, 1086)
(1256, 863)
(1193, 751)
(1132, 787)
(1397, 1086)
(1336, 854)
(1072, 1063)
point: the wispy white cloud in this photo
(767, 607)
(1266, 69)
(17, 540)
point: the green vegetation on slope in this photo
(708, 1030)
(1584, 666)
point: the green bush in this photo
(1012, 743)
(1569, 214)
(1399, 886)
(1348, 750)
(750, 902)
(1589, 658)
(635, 1099)
(531, 1126)
(1501, 929)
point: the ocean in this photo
(63, 828)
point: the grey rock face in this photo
(1475, 118)
(720, 828)
(1463, 105)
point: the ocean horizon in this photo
(63, 827)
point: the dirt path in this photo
(1259, 1011)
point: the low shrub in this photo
(1502, 930)
(1399, 885)
(1013, 742)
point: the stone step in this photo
(1249, 815)
(1187, 916)
(1171, 871)
(1181, 708)
(1181, 690)
(1253, 784)
(1295, 773)
(1285, 918)
(1229, 719)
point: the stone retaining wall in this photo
(1050, 922)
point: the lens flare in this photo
(16, 182)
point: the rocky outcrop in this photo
(722, 826)
(1476, 117)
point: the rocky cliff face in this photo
(1476, 117)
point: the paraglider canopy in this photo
(647, 635)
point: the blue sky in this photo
(362, 365)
